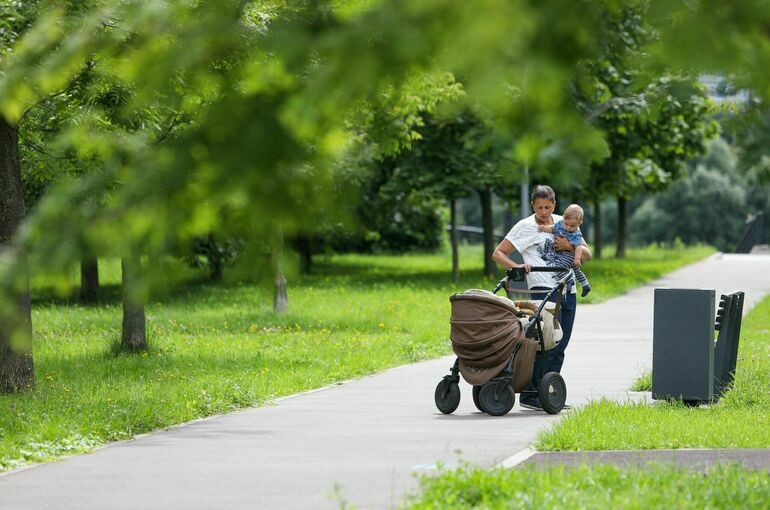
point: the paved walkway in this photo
(361, 442)
(702, 459)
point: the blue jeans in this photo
(554, 358)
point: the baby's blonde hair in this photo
(574, 211)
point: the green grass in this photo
(741, 419)
(643, 382)
(600, 487)
(218, 348)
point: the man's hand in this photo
(561, 243)
(576, 263)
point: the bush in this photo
(214, 254)
(708, 207)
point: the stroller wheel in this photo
(552, 392)
(496, 399)
(447, 396)
(476, 400)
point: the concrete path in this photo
(702, 459)
(361, 442)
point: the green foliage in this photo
(707, 207)
(455, 154)
(274, 93)
(711, 35)
(654, 123)
(751, 129)
(15, 18)
(739, 420)
(710, 205)
(399, 222)
(643, 383)
(214, 254)
(451, 157)
(594, 487)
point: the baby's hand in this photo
(542, 228)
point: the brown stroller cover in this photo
(485, 332)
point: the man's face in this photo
(543, 209)
(571, 224)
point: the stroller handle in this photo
(518, 274)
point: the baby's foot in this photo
(585, 291)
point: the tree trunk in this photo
(487, 223)
(134, 337)
(453, 240)
(621, 251)
(89, 279)
(281, 298)
(16, 366)
(216, 270)
(597, 251)
(305, 254)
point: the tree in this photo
(443, 162)
(653, 124)
(456, 154)
(16, 365)
(16, 361)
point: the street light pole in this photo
(525, 193)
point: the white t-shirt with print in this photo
(536, 248)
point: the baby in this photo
(569, 227)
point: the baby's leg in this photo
(583, 281)
(564, 260)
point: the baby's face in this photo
(571, 224)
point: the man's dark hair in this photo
(543, 191)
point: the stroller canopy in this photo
(485, 330)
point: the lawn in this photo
(216, 348)
(740, 420)
(601, 487)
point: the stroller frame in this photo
(497, 397)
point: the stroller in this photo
(496, 349)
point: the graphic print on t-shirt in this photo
(547, 251)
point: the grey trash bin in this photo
(683, 345)
(687, 363)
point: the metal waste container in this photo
(687, 363)
(683, 345)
